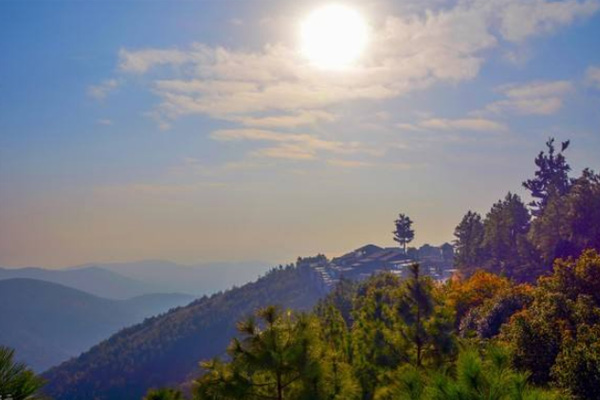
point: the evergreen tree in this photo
(550, 177)
(282, 356)
(569, 223)
(403, 234)
(426, 328)
(505, 229)
(478, 376)
(468, 243)
(17, 382)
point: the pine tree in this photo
(468, 243)
(505, 227)
(403, 234)
(551, 176)
(17, 382)
(426, 327)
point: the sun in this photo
(333, 37)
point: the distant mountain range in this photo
(165, 350)
(94, 280)
(200, 279)
(47, 323)
(126, 280)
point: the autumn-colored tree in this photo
(466, 294)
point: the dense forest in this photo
(520, 319)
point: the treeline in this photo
(521, 243)
(480, 338)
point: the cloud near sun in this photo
(277, 87)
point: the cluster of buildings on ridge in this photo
(361, 263)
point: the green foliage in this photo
(17, 382)
(478, 375)
(570, 222)
(164, 394)
(399, 322)
(556, 338)
(505, 227)
(282, 356)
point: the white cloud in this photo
(592, 76)
(274, 87)
(99, 92)
(106, 122)
(534, 98)
(406, 53)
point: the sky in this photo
(198, 131)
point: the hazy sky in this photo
(197, 131)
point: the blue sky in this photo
(196, 131)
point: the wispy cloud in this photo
(349, 163)
(469, 124)
(458, 124)
(520, 19)
(592, 76)
(534, 98)
(106, 122)
(294, 146)
(288, 121)
(100, 91)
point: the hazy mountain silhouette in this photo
(200, 279)
(48, 323)
(97, 281)
(129, 279)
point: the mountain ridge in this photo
(48, 323)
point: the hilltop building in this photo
(370, 259)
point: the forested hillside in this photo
(165, 350)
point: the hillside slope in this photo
(165, 350)
(47, 323)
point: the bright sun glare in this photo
(334, 36)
